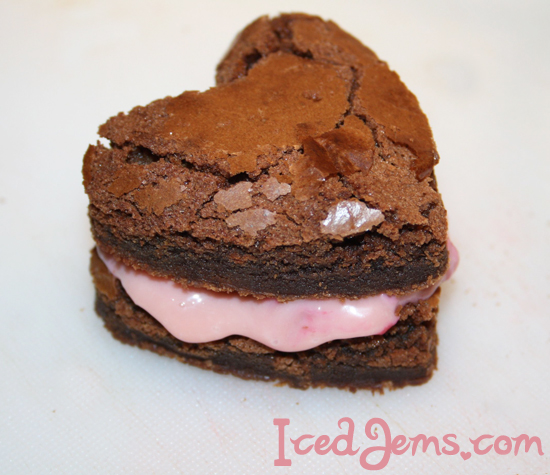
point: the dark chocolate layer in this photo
(286, 274)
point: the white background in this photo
(74, 400)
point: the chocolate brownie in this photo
(306, 173)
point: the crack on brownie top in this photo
(252, 58)
(141, 156)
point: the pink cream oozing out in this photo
(198, 316)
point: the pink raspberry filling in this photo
(198, 316)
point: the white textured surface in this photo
(73, 400)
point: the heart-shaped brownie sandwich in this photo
(282, 225)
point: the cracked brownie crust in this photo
(239, 188)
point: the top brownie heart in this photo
(309, 148)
